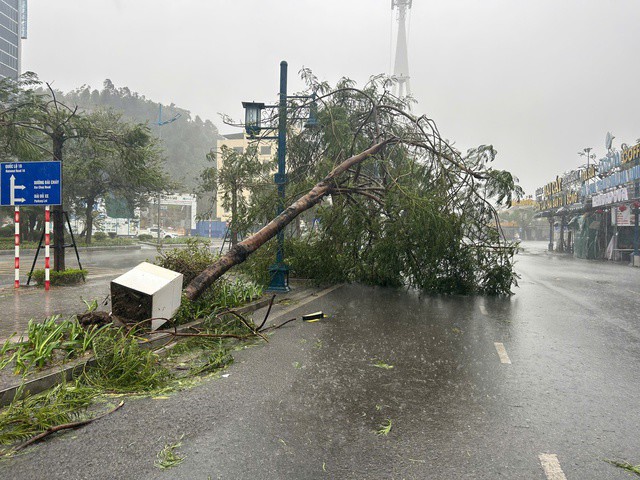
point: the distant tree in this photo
(240, 176)
(186, 142)
(129, 169)
(523, 216)
(35, 123)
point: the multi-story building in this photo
(239, 142)
(13, 28)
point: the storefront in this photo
(593, 210)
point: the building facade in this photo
(593, 211)
(239, 142)
(13, 23)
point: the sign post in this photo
(47, 241)
(16, 222)
(30, 184)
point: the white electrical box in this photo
(147, 291)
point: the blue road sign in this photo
(30, 183)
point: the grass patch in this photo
(107, 242)
(47, 342)
(224, 293)
(71, 276)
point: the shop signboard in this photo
(615, 196)
(624, 218)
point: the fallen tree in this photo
(395, 170)
(242, 250)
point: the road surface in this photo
(542, 385)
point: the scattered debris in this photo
(384, 428)
(381, 364)
(167, 457)
(313, 317)
(625, 466)
(64, 426)
(94, 317)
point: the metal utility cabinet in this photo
(147, 291)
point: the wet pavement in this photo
(30, 301)
(480, 388)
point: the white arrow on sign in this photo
(12, 191)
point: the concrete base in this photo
(636, 260)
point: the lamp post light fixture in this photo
(253, 117)
(279, 271)
(586, 152)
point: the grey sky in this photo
(540, 80)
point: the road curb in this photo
(80, 249)
(68, 372)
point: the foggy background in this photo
(538, 80)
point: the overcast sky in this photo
(540, 80)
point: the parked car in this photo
(163, 234)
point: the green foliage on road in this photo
(29, 415)
(625, 466)
(122, 366)
(168, 457)
(385, 428)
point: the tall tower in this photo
(401, 65)
(13, 21)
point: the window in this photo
(265, 150)
(238, 149)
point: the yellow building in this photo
(239, 142)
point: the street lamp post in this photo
(160, 123)
(279, 271)
(586, 152)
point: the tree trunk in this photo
(242, 250)
(58, 213)
(234, 217)
(89, 219)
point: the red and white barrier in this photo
(47, 241)
(16, 220)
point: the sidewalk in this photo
(17, 306)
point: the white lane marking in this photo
(551, 466)
(483, 310)
(502, 353)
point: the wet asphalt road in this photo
(307, 405)
(99, 263)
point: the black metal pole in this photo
(279, 271)
(636, 228)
